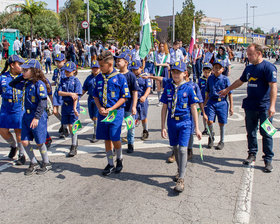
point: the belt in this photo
(8, 100)
(218, 99)
(180, 118)
(29, 111)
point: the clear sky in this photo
(267, 13)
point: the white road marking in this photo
(244, 199)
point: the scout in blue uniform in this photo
(59, 74)
(34, 121)
(216, 105)
(180, 100)
(201, 106)
(70, 89)
(131, 103)
(207, 69)
(11, 110)
(145, 86)
(89, 87)
(110, 93)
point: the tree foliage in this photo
(184, 21)
(259, 31)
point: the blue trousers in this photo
(196, 70)
(252, 119)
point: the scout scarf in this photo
(160, 70)
(105, 86)
(174, 100)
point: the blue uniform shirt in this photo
(258, 91)
(116, 88)
(185, 98)
(202, 85)
(58, 74)
(214, 85)
(50, 92)
(133, 86)
(143, 85)
(71, 85)
(196, 90)
(89, 85)
(6, 90)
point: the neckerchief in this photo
(174, 100)
(105, 86)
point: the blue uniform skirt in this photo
(57, 100)
(149, 68)
(11, 115)
(164, 73)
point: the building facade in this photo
(211, 31)
(5, 3)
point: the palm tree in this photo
(31, 8)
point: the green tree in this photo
(45, 25)
(31, 9)
(259, 31)
(184, 21)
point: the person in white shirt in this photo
(57, 48)
(196, 56)
(34, 49)
(17, 46)
(175, 53)
(209, 55)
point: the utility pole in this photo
(88, 21)
(253, 7)
(173, 36)
(215, 35)
(246, 19)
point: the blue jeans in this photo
(48, 64)
(252, 119)
(131, 132)
(196, 71)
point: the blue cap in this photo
(220, 62)
(13, 58)
(126, 51)
(69, 66)
(95, 64)
(180, 66)
(59, 57)
(31, 63)
(135, 64)
(207, 65)
(124, 56)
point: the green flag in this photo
(111, 116)
(198, 110)
(268, 127)
(129, 122)
(145, 34)
(83, 110)
(201, 151)
(76, 126)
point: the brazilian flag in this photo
(83, 110)
(110, 117)
(76, 126)
(268, 127)
(129, 122)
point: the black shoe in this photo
(21, 160)
(145, 135)
(61, 135)
(108, 170)
(205, 132)
(31, 169)
(119, 166)
(13, 152)
(220, 146)
(45, 168)
(130, 148)
(73, 151)
(65, 132)
(93, 140)
(251, 158)
(60, 129)
(268, 168)
(210, 142)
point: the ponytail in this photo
(6, 67)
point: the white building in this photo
(5, 3)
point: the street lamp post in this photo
(253, 7)
(173, 36)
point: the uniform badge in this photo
(100, 94)
(133, 63)
(41, 88)
(33, 99)
(185, 105)
(184, 94)
(177, 63)
(126, 90)
(114, 80)
(113, 94)
(94, 62)
(274, 73)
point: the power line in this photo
(265, 14)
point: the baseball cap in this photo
(124, 56)
(207, 65)
(95, 64)
(180, 66)
(59, 57)
(69, 66)
(14, 58)
(31, 63)
(219, 61)
(135, 64)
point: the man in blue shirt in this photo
(259, 103)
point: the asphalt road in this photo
(218, 189)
